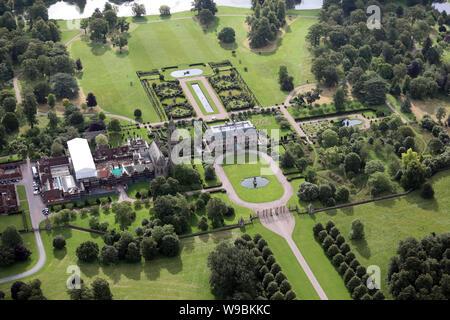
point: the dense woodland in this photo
(375, 62)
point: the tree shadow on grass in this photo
(89, 269)
(228, 46)
(59, 253)
(424, 204)
(124, 54)
(349, 211)
(362, 247)
(132, 270)
(99, 49)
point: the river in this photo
(65, 11)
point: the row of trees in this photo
(247, 270)
(343, 259)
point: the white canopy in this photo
(82, 160)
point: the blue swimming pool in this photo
(117, 172)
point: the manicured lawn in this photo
(68, 35)
(183, 277)
(112, 76)
(288, 262)
(385, 223)
(21, 192)
(324, 271)
(237, 172)
(142, 187)
(29, 241)
(11, 220)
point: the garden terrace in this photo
(172, 99)
(232, 90)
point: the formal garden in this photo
(232, 90)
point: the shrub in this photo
(318, 227)
(353, 283)
(349, 274)
(340, 240)
(59, 242)
(345, 248)
(280, 277)
(354, 264)
(322, 235)
(290, 295)
(285, 286)
(272, 287)
(343, 268)
(275, 268)
(327, 242)
(270, 261)
(338, 259)
(359, 292)
(329, 225)
(334, 232)
(360, 271)
(268, 278)
(109, 255)
(349, 257)
(332, 251)
(87, 251)
(357, 232)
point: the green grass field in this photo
(385, 223)
(181, 278)
(237, 172)
(112, 76)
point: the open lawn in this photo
(112, 76)
(385, 224)
(237, 172)
(184, 277)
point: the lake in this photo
(65, 11)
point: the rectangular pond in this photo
(199, 92)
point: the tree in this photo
(352, 162)
(308, 191)
(64, 86)
(357, 232)
(205, 16)
(380, 183)
(329, 138)
(149, 248)
(138, 10)
(51, 100)
(121, 41)
(91, 100)
(374, 166)
(87, 251)
(133, 253)
(413, 176)
(101, 140)
(109, 255)
(27, 291)
(29, 104)
(210, 173)
(10, 122)
(98, 28)
(232, 270)
(124, 214)
(440, 114)
(227, 35)
(11, 237)
(57, 149)
(78, 64)
(339, 99)
(101, 290)
(199, 5)
(114, 125)
(216, 210)
(170, 245)
(137, 113)
(9, 103)
(164, 10)
(286, 82)
(59, 242)
(436, 146)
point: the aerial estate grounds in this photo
(112, 75)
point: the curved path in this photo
(35, 205)
(282, 223)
